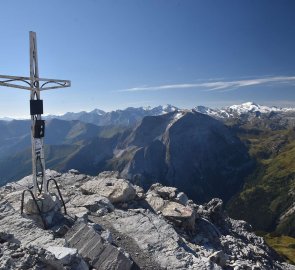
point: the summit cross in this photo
(35, 85)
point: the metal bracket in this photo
(35, 201)
(59, 193)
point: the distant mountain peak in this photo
(162, 109)
(169, 107)
(249, 107)
(252, 107)
(98, 112)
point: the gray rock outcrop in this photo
(159, 229)
(97, 252)
(165, 200)
(15, 255)
(115, 189)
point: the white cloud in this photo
(212, 85)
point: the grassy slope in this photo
(284, 245)
(269, 191)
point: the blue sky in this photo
(145, 53)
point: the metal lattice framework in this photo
(35, 85)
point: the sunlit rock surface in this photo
(159, 229)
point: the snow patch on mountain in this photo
(132, 115)
(252, 107)
(241, 109)
(160, 110)
(175, 118)
(98, 112)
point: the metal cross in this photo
(35, 84)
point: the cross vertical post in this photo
(37, 136)
(35, 85)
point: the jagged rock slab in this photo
(92, 202)
(141, 258)
(15, 256)
(46, 203)
(185, 215)
(159, 198)
(156, 202)
(163, 191)
(24, 229)
(154, 235)
(68, 257)
(92, 247)
(214, 242)
(116, 190)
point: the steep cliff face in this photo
(186, 149)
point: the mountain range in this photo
(131, 116)
(161, 148)
(243, 154)
(242, 109)
(126, 117)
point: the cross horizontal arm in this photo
(10, 81)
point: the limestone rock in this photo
(182, 198)
(145, 232)
(13, 255)
(67, 256)
(78, 212)
(109, 174)
(116, 190)
(24, 229)
(46, 204)
(163, 191)
(159, 198)
(69, 179)
(73, 171)
(184, 215)
(220, 258)
(139, 192)
(92, 202)
(155, 201)
(107, 236)
(153, 234)
(213, 211)
(99, 253)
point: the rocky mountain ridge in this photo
(127, 117)
(112, 224)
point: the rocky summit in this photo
(113, 224)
